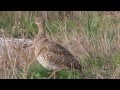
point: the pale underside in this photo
(47, 64)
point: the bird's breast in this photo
(46, 63)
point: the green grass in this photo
(36, 71)
(116, 58)
(100, 33)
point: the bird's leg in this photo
(54, 72)
(51, 75)
(56, 75)
(83, 75)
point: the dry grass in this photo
(93, 38)
(16, 57)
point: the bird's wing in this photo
(60, 55)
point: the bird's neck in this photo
(41, 34)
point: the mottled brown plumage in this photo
(51, 55)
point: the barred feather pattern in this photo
(55, 56)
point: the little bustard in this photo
(51, 55)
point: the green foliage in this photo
(90, 23)
(36, 71)
(6, 23)
(116, 58)
(52, 27)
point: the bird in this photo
(52, 55)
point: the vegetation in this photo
(93, 37)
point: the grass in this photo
(93, 38)
(36, 71)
